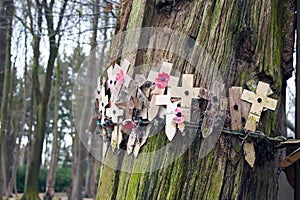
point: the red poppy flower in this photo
(120, 77)
(179, 117)
(162, 80)
(128, 124)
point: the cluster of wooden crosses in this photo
(134, 106)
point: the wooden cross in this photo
(125, 67)
(166, 68)
(140, 80)
(259, 101)
(187, 92)
(170, 128)
(111, 77)
(115, 113)
(103, 101)
(127, 79)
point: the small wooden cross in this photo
(259, 101)
(170, 129)
(140, 80)
(103, 101)
(125, 67)
(127, 79)
(166, 68)
(115, 113)
(111, 77)
(187, 92)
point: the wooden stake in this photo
(237, 107)
(115, 113)
(103, 101)
(170, 128)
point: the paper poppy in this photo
(162, 80)
(128, 124)
(120, 77)
(179, 117)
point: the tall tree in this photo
(248, 40)
(7, 8)
(4, 23)
(81, 156)
(90, 174)
(21, 127)
(53, 162)
(42, 95)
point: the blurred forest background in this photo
(42, 45)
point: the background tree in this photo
(42, 95)
(248, 40)
(53, 162)
(7, 9)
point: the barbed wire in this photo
(243, 134)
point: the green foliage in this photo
(20, 179)
(63, 179)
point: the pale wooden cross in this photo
(125, 67)
(170, 128)
(111, 77)
(115, 113)
(259, 101)
(186, 92)
(127, 79)
(140, 80)
(166, 68)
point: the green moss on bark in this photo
(30, 194)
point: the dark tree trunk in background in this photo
(248, 40)
(53, 162)
(6, 18)
(4, 22)
(78, 182)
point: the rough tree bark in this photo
(248, 40)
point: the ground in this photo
(57, 196)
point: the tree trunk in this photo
(91, 160)
(248, 40)
(12, 182)
(16, 157)
(78, 183)
(8, 11)
(53, 162)
(90, 174)
(4, 24)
